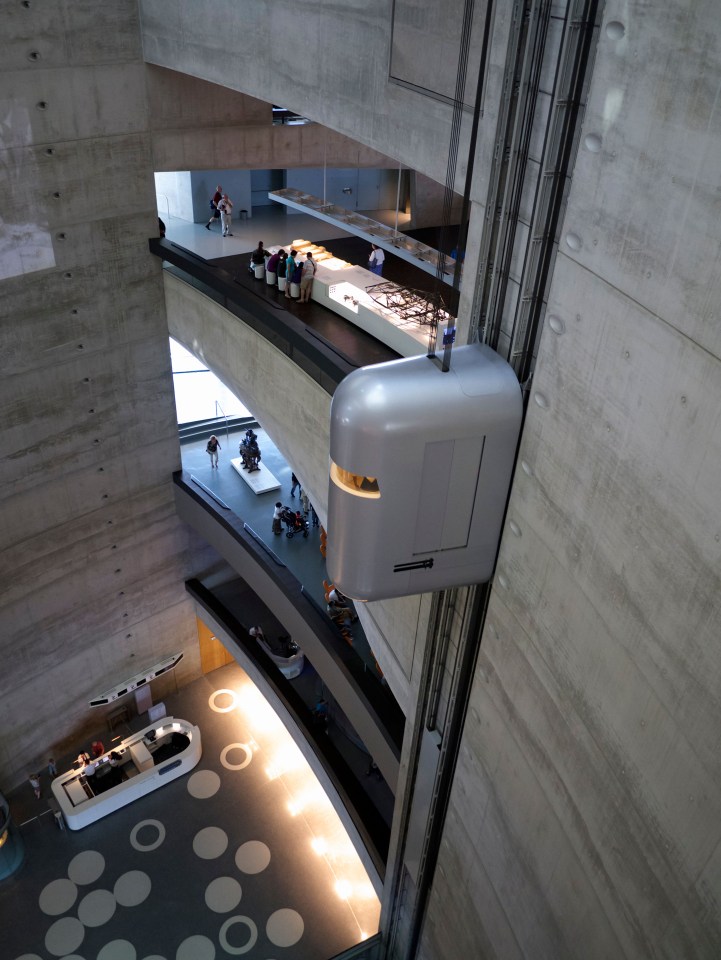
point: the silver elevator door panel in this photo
(447, 499)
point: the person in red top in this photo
(217, 197)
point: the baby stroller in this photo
(295, 522)
(250, 451)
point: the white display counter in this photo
(341, 287)
(161, 752)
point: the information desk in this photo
(163, 751)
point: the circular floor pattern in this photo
(223, 894)
(236, 746)
(118, 950)
(219, 693)
(155, 956)
(210, 842)
(252, 857)
(132, 888)
(195, 948)
(250, 942)
(284, 928)
(203, 784)
(64, 936)
(29, 956)
(86, 867)
(96, 908)
(57, 897)
(147, 847)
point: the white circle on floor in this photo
(29, 956)
(64, 936)
(86, 867)
(203, 784)
(132, 888)
(96, 908)
(252, 857)
(195, 948)
(236, 766)
(155, 956)
(284, 927)
(147, 847)
(210, 842)
(252, 935)
(57, 897)
(223, 894)
(71, 956)
(219, 693)
(118, 950)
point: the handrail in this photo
(210, 493)
(378, 697)
(261, 543)
(318, 357)
(328, 366)
(227, 432)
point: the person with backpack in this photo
(306, 278)
(212, 451)
(215, 200)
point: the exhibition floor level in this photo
(242, 856)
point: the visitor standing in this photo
(226, 207)
(212, 450)
(376, 260)
(214, 201)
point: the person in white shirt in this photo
(225, 206)
(376, 260)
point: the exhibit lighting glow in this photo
(344, 889)
(285, 760)
(320, 845)
(306, 800)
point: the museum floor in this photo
(239, 857)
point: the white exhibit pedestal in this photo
(260, 480)
(341, 288)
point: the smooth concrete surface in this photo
(93, 555)
(586, 812)
(192, 119)
(328, 68)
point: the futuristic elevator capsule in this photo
(421, 464)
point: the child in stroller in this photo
(295, 522)
(250, 451)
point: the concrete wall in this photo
(340, 66)
(586, 814)
(191, 120)
(93, 556)
(369, 189)
(173, 195)
(236, 183)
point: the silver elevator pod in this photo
(421, 464)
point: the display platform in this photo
(343, 288)
(143, 762)
(260, 480)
